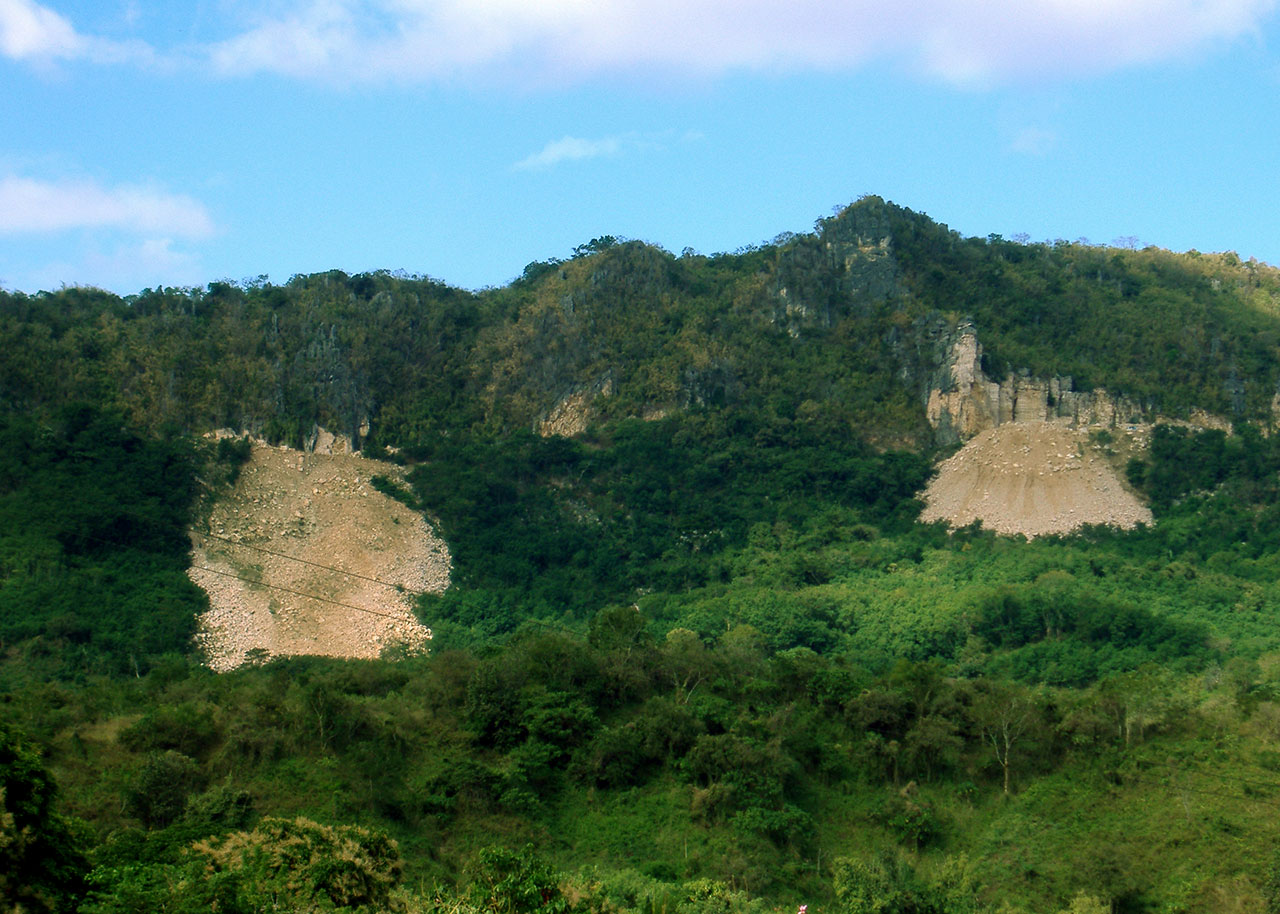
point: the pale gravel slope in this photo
(319, 508)
(1033, 478)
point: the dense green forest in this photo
(844, 323)
(700, 655)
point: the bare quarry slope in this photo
(304, 556)
(1033, 478)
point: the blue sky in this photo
(175, 143)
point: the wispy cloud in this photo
(571, 149)
(123, 266)
(568, 41)
(150, 262)
(32, 206)
(575, 149)
(30, 31)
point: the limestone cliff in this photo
(961, 401)
(317, 441)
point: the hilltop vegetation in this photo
(700, 654)
(845, 321)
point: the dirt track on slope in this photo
(304, 556)
(1033, 478)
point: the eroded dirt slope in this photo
(318, 546)
(1033, 478)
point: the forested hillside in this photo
(847, 321)
(699, 654)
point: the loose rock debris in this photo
(1033, 478)
(304, 556)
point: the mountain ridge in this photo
(859, 316)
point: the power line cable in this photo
(352, 574)
(298, 593)
(397, 587)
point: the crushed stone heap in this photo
(1033, 478)
(291, 519)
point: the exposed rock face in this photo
(317, 441)
(963, 402)
(1029, 465)
(574, 411)
(321, 441)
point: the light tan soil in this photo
(368, 555)
(1034, 478)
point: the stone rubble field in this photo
(1033, 478)
(332, 565)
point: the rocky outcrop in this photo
(317, 441)
(962, 402)
(322, 441)
(574, 410)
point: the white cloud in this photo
(574, 149)
(123, 267)
(571, 149)
(30, 31)
(30, 206)
(958, 41)
(148, 263)
(532, 42)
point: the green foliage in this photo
(93, 548)
(1172, 332)
(184, 728)
(553, 527)
(711, 896)
(42, 863)
(1058, 631)
(294, 864)
(889, 884)
(1271, 887)
(304, 862)
(162, 787)
(834, 324)
(515, 882)
(914, 822)
(735, 779)
(702, 635)
(162, 888)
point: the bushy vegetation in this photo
(93, 547)
(646, 769)
(699, 656)
(550, 528)
(841, 324)
(859, 716)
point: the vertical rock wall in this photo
(962, 401)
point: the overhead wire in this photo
(292, 558)
(298, 593)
